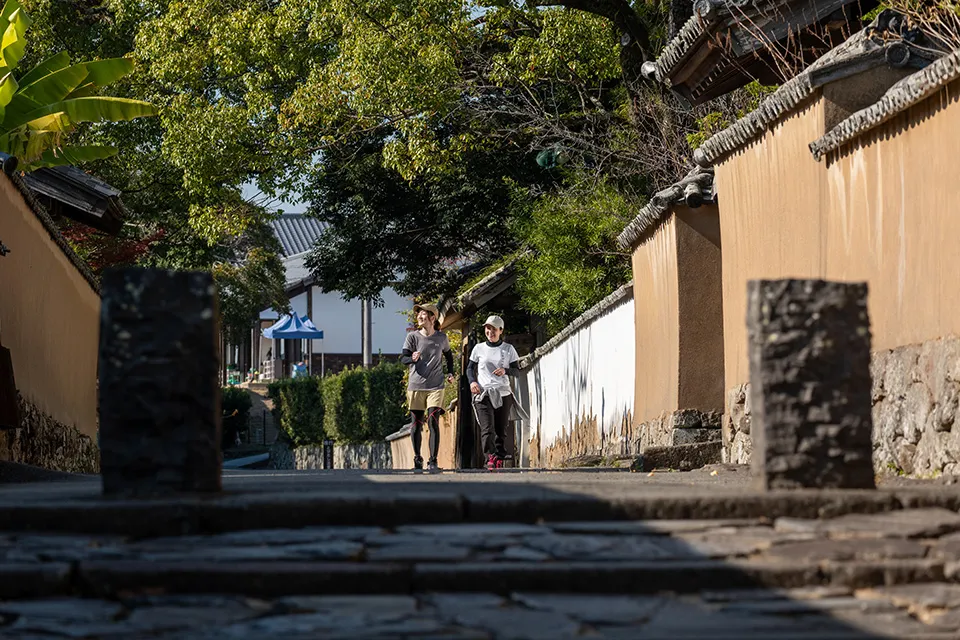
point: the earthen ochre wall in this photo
(880, 211)
(700, 304)
(49, 319)
(656, 313)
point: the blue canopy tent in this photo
(293, 327)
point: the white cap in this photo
(494, 321)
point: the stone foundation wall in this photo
(687, 426)
(281, 453)
(915, 423)
(915, 397)
(43, 442)
(374, 455)
(737, 445)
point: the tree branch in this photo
(617, 11)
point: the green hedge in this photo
(356, 405)
(234, 399)
(365, 405)
(386, 407)
(298, 407)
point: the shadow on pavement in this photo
(670, 559)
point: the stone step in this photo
(851, 551)
(804, 614)
(175, 516)
(880, 575)
(271, 579)
(85, 512)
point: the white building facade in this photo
(339, 319)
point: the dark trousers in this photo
(416, 433)
(493, 424)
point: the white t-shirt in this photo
(488, 359)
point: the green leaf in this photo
(104, 72)
(93, 109)
(9, 7)
(8, 88)
(38, 142)
(13, 41)
(53, 63)
(54, 122)
(84, 91)
(51, 88)
(71, 156)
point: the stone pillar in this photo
(159, 395)
(809, 349)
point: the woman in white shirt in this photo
(493, 402)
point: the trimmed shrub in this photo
(344, 395)
(386, 407)
(364, 405)
(239, 400)
(354, 406)
(299, 409)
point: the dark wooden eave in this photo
(75, 194)
(725, 44)
(454, 310)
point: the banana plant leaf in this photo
(92, 109)
(71, 156)
(51, 88)
(53, 63)
(104, 72)
(14, 42)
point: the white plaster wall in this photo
(591, 374)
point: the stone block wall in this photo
(375, 455)
(737, 445)
(915, 397)
(281, 453)
(687, 426)
(43, 442)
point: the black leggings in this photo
(493, 424)
(416, 435)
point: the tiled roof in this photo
(79, 195)
(897, 99)
(693, 190)
(871, 47)
(723, 44)
(297, 232)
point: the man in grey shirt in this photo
(424, 351)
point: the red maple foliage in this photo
(101, 251)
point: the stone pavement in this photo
(341, 555)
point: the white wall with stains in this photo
(584, 373)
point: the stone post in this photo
(809, 349)
(159, 394)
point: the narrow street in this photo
(591, 554)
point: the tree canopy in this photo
(412, 127)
